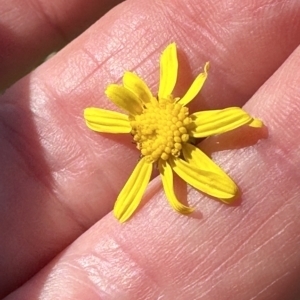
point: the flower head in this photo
(163, 130)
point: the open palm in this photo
(59, 180)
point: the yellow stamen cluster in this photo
(161, 129)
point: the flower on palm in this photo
(163, 131)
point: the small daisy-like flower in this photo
(163, 131)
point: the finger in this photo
(29, 31)
(69, 177)
(250, 251)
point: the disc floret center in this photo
(161, 129)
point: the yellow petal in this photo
(256, 123)
(195, 87)
(208, 179)
(199, 159)
(168, 71)
(211, 122)
(132, 193)
(167, 180)
(136, 85)
(124, 98)
(102, 120)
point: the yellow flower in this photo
(163, 129)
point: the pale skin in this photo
(59, 180)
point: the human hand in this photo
(59, 180)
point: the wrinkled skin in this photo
(59, 180)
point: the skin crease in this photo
(32, 29)
(59, 180)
